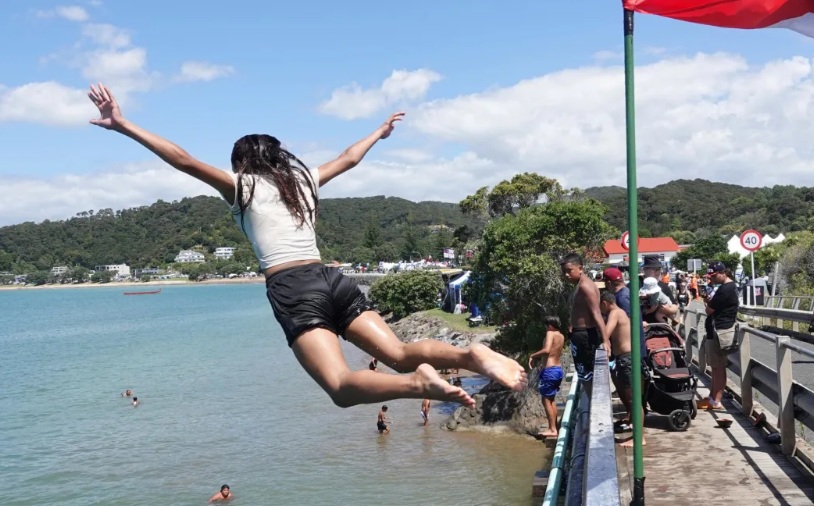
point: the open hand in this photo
(387, 127)
(110, 115)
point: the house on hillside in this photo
(664, 247)
(224, 252)
(187, 256)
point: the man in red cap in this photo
(615, 282)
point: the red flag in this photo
(797, 15)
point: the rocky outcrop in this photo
(498, 408)
(418, 326)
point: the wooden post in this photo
(785, 415)
(746, 371)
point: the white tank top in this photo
(273, 231)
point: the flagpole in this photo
(633, 230)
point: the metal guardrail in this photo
(777, 317)
(552, 491)
(592, 473)
(600, 485)
(797, 302)
(794, 400)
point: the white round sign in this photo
(751, 240)
(626, 241)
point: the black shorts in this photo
(622, 371)
(381, 425)
(314, 296)
(584, 343)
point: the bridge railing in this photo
(593, 478)
(794, 400)
(797, 302)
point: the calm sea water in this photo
(223, 401)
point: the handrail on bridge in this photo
(794, 400)
(593, 479)
(777, 301)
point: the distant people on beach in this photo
(127, 393)
(135, 402)
(382, 421)
(274, 199)
(225, 494)
(425, 411)
(552, 374)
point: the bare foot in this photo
(502, 369)
(629, 443)
(547, 433)
(434, 387)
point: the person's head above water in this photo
(224, 490)
(384, 408)
(264, 156)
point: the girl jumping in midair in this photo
(274, 198)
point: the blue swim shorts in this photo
(550, 381)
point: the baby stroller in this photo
(670, 385)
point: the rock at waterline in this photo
(499, 408)
(418, 326)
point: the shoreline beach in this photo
(130, 284)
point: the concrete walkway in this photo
(711, 466)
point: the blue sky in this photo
(489, 91)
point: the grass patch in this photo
(458, 321)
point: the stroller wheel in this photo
(693, 409)
(679, 420)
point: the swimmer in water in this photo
(225, 494)
(425, 411)
(135, 402)
(381, 421)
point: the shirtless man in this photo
(225, 494)
(618, 327)
(552, 374)
(381, 421)
(425, 411)
(587, 326)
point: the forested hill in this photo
(356, 229)
(685, 208)
(153, 235)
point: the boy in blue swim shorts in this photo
(552, 374)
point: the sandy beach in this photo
(124, 284)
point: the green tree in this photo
(6, 261)
(37, 278)
(411, 247)
(373, 234)
(406, 292)
(706, 248)
(517, 274)
(101, 277)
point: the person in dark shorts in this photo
(551, 376)
(618, 327)
(587, 325)
(381, 421)
(274, 199)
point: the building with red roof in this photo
(664, 247)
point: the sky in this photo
(489, 91)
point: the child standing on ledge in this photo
(551, 376)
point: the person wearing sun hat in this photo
(722, 313)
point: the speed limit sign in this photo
(751, 240)
(625, 241)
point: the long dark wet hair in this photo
(263, 156)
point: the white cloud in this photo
(62, 197)
(712, 116)
(48, 103)
(69, 12)
(605, 55)
(106, 35)
(203, 71)
(354, 102)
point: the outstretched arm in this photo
(111, 119)
(351, 157)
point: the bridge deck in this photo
(710, 466)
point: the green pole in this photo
(633, 261)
